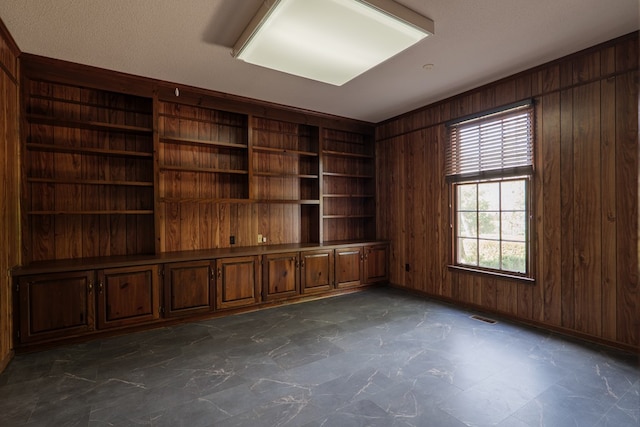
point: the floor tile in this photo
(379, 357)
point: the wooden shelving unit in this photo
(202, 173)
(126, 174)
(141, 202)
(285, 176)
(88, 172)
(348, 186)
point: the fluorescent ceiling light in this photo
(331, 41)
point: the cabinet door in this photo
(316, 271)
(376, 268)
(56, 305)
(237, 281)
(188, 288)
(280, 276)
(128, 296)
(349, 267)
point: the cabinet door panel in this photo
(56, 305)
(376, 264)
(280, 275)
(237, 281)
(348, 267)
(316, 272)
(128, 296)
(188, 288)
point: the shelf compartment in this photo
(90, 182)
(94, 212)
(86, 150)
(348, 196)
(287, 202)
(344, 154)
(202, 200)
(201, 142)
(285, 151)
(347, 216)
(285, 175)
(89, 125)
(190, 169)
(347, 175)
(92, 105)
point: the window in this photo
(489, 165)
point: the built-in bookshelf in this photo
(348, 186)
(88, 172)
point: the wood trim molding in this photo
(6, 35)
(14, 52)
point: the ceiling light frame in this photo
(332, 41)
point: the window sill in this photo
(495, 274)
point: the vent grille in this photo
(484, 319)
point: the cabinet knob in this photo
(100, 287)
(219, 273)
(90, 286)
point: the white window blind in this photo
(498, 143)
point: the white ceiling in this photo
(189, 42)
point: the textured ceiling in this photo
(188, 42)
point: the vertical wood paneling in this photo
(586, 208)
(416, 211)
(628, 324)
(585, 196)
(566, 209)
(10, 240)
(608, 212)
(549, 255)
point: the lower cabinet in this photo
(59, 305)
(316, 271)
(280, 276)
(376, 265)
(349, 267)
(128, 296)
(188, 288)
(237, 281)
(56, 305)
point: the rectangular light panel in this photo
(331, 41)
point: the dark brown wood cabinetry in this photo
(316, 271)
(128, 296)
(280, 275)
(56, 305)
(349, 266)
(188, 288)
(140, 205)
(376, 268)
(237, 281)
(290, 274)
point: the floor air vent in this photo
(484, 319)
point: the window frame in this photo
(498, 175)
(529, 260)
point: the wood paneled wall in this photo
(585, 239)
(9, 186)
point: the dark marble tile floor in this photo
(374, 358)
